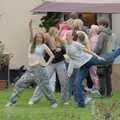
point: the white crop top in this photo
(38, 54)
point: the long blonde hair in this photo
(52, 31)
(70, 23)
(82, 37)
(93, 28)
(78, 24)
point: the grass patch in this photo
(43, 111)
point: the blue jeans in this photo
(72, 82)
(83, 71)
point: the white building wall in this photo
(89, 1)
(14, 18)
(116, 25)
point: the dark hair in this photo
(103, 22)
(74, 35)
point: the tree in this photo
(51, 19)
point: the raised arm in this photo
(31, 31)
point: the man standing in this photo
(104, 45)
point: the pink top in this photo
(93, 41)
(63, 31)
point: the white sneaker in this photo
(95, 92)
(8, 104)
(66, 103)
(88, 100)
(54, 105)
(30, 103)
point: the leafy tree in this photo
(51, 19)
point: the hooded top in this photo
(104, 43)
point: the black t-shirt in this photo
(58, 53)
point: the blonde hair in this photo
(52, 31)
(94, 28)
(78, 24)
(82, 37)
(70, 23)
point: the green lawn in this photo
(43, 111)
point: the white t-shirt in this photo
(77, 55)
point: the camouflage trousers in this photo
(38, 75)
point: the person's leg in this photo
(62, 75)
(72, 79)
(42, 80)
(52, 82)
(89, 81)
(70, 82)
(102, 79)
(44, 84)
(37, 95)
(94, 77)
(109, 81)
(48, 93)
(52, 76)
(70, 85)
(20, 85)
(110, 57)
(79, 90)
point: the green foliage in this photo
(50, 20)
(4, 59)
(101, 111)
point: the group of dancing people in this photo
(72, 52)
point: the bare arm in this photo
(92, 53)
(49, 52)
(31, 31)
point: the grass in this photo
(43, 111)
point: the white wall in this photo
(116, 24)
(14, 28)
(90, 1)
